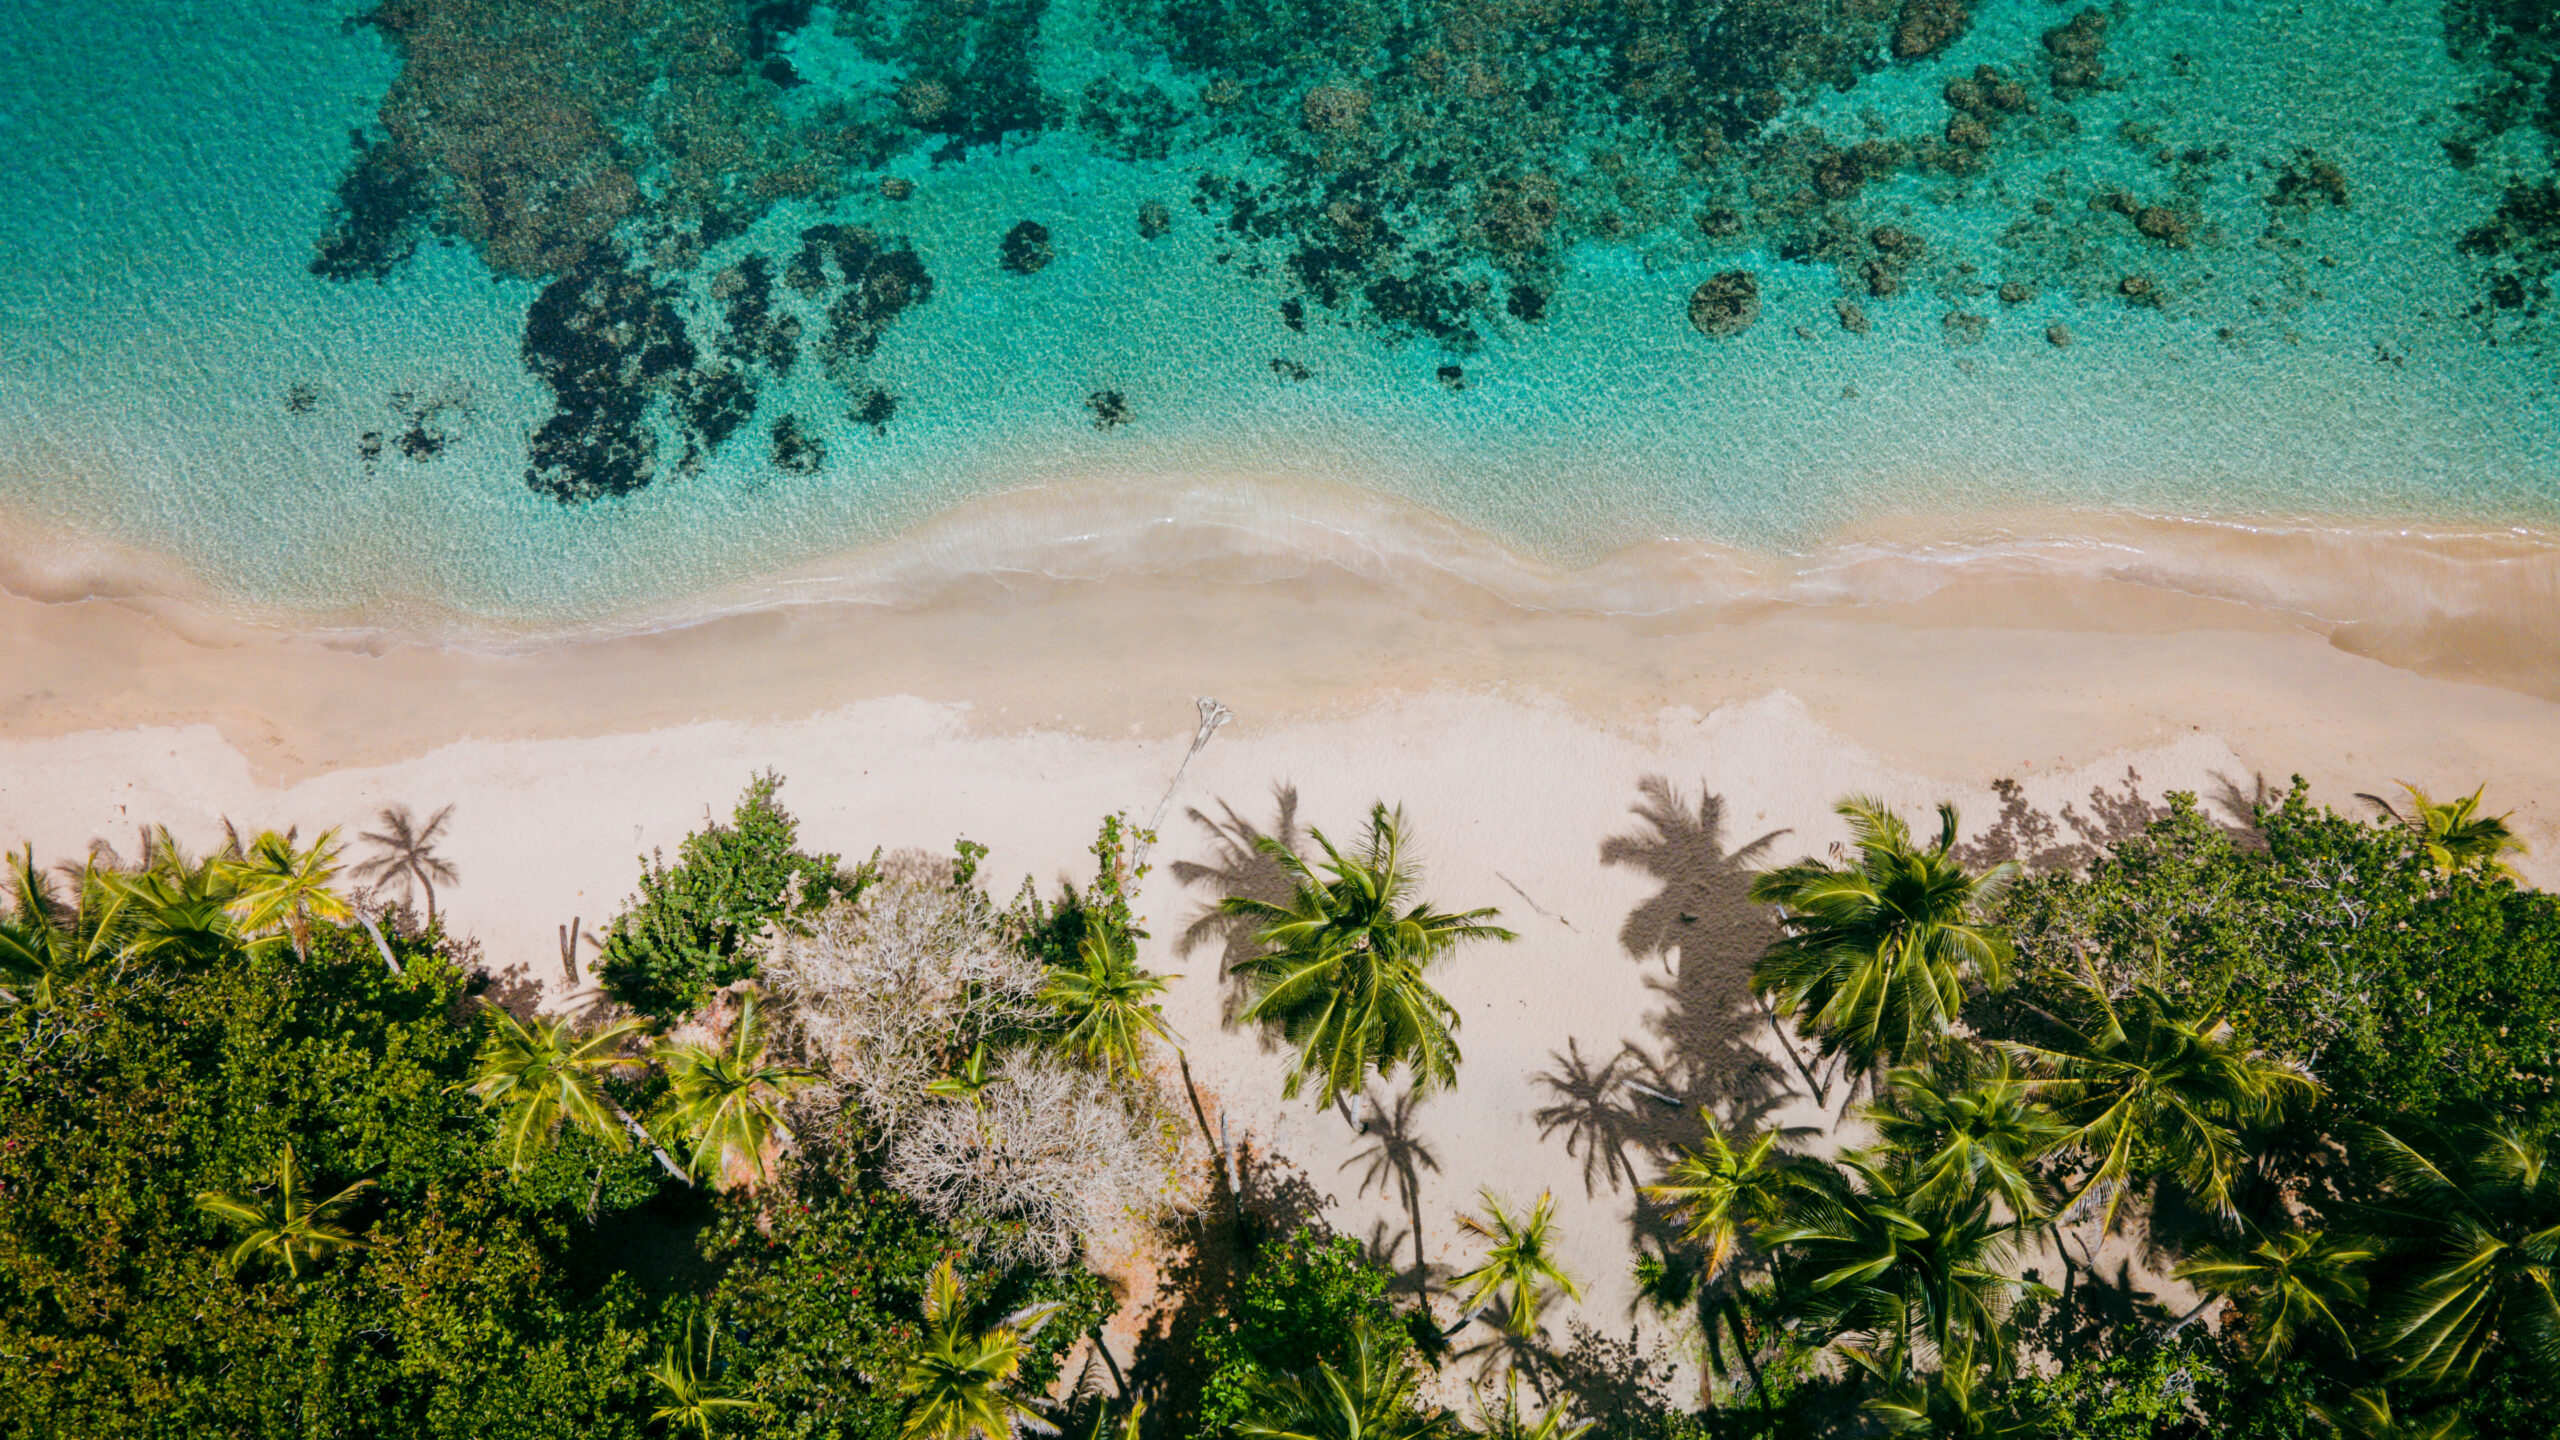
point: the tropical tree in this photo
(2291, 1283)
(970, 1082)
(687, 1380)
(1966, 1127)
(1874, 956)
(728, 1100)
(1863, 1255)
(2150, 1086)
(1341, 973)
(1521, 1264)
(279, 1222)
(956, 1386)
(1507, 1420)
(2456, 837)
(1954, 1403)
(1721, 1193)
(182, 905)
(279, 889)
(46, 943)
(1106, 1001)
(2477, 1211)
(2368, 1414)
(406, 855)
(537, 1075)
(1374, 1395)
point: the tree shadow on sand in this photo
(1240, 868)
(1395, 1157)
(1700, 1051)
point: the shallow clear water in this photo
(174, 376)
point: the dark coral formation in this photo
(795, 450)
(384, 204)
(1725, 304)
(1110, 409)
(1026, 250)
(607, 341)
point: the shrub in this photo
(693, 926)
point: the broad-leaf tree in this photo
(1341, 973)
(1875, 954)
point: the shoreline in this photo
(2447, 597)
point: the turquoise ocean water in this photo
(2267, 265)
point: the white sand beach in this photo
(1604, 787)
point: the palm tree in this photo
(1965, 1127)
(2368, 1414)
(278, 889)
(955, 1385)
(407, 854)
(1105, 1000)
(1506, 1421)
(729, 1100)
(282, 1224)
(1874, 956)
(1722, 1193)
(1522, 1262)
(2150, 1074)
(46, 944)
(1948, 1405)
(2479, 1211)
(1341, 974)
(970, 1082)
(182, 905)
(2294, 1281)
(1862, 1255)
(1375, 1396)
(2454, 834)
(686, 1382)
(540, 1074)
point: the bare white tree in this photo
(1049, 1154)
(884, 990)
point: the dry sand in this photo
(1601, 785)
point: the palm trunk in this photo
(431, 900)
(378, 943)
(1821, 1093)
(2183, 1321)
(641, 1134)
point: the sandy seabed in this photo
(1603, 781)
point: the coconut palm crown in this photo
(539, 1074)
(1341, 973)
(1875, 954)
(1107, 1002)
(2150, 1082)
(1967, 1125)
(1374, 1395)
(279, 1222)
(2454, 835)
(728, 1100)
(278, 889)
(2478, 1210)
(2292, 1283)
(1521, 1264)
(1722, 1192)
(956, 1387)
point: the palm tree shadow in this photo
(1397, 1156)
(1705, 924)
(1241, 869)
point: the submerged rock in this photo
(1110, 409)
(1853, 317)
(1154, 219)
(1929, 26)
(795, 450)
(1026, 248)
(1726, 304)
(2057, 334)
(2078, 46)
(894, 188)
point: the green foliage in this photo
(2140, 1393)
(189, 1071)
(1299, 1307)
(820, 1298)
(689, 930)
(1341, 971)
(2338, 945)
(1057, 935)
